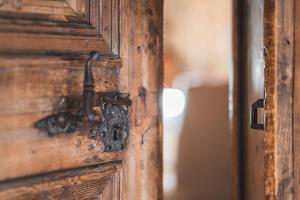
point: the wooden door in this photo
(253, 90)
(265, 162)
(249, 49)
(44, 48)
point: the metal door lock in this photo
(109, 123)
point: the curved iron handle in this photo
(88, 89)
(111, 126)
(260, 103)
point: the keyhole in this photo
(116, 134)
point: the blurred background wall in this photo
(196, 130)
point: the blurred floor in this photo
(203, 158)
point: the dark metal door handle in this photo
(260, 103)
(111, 124)
(88, 89)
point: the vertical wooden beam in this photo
(142, 57)
(279, 57)
(296, 116)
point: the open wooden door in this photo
(50, 148)
(265, 157)
(248, 149)
(253, 92)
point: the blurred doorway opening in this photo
(198, 56)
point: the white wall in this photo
(198, 33)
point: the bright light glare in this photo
(173, 102)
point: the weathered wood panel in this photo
(141, 52)
(60, 26)
(11, 41)
(85, 183)
(57, 73)
(57, 7)
(23, 79)
(42, 62)
(33, 88)
(296, 101)
(36, 153)
(279, 58)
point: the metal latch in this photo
(260, 103)
(103, 115)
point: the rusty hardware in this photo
(109, 123)
(260, 103)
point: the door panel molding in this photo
(54, 26)
(87, 183)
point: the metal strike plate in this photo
(103, 115)
(254, 124)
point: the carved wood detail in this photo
(62, 7)
(61, 22)
(102, 182)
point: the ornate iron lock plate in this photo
(109, 123)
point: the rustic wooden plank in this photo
(68, 11)
(95, 12)
(112, 190)
(85, 183)
(32, 88)
(28, 149)
(22, 79)
(279, 58)
(47, 34)
(115, 27)
(141, 50)
(47, 27)
(296, 101)
(13, 107)
(107, 21)
(63, 8)
(21, 121)
(23, 113)
(45, 42)
(32, 152)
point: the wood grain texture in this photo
(24, 79)
(58, 7)
(279, 58)
(54, 30)
(33, 88)
(43, 42)
(35, 153)
(38, 70)
(99, 182)
(296, 119)
(141, 75)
